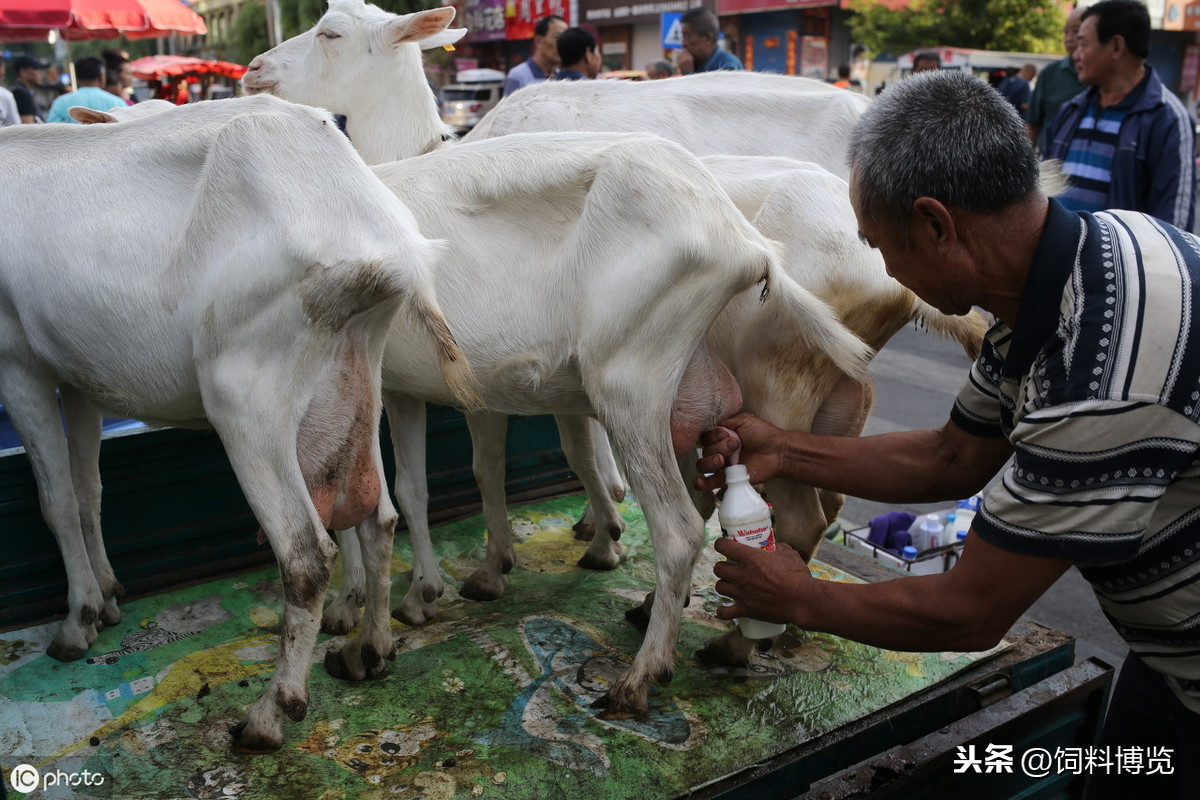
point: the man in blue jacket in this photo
(700, 52)
(1126, 142)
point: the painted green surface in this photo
(489, 700)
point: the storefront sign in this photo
(624, 12)
(484, 20)
(520, 16)
(814, 57)
(672, 31)
(1181, 15)
(1190, 69)
(740, 6)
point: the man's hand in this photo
(684, 62)
(761, 446)
(763, 584)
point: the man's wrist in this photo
(793, 461)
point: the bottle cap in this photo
(909, 553)
(961, 535)
(736, 472)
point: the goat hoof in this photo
(584, 531)
(414, 613)
(111, 615)
(589, 561)
(65, 652)
(251, 744)
(638, 617)
(372, 661)
(296, 709)
(483, 585)
(336, 624)
(623, 707)
(335, 665)
(718, 653)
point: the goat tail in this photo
(422, 303)
(819, 326)
(452, 362)
(968, 329)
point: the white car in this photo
(474, 93)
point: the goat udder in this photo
(707, 394)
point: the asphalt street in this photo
(916, 378)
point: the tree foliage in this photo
(1030, 26)
(247, 34)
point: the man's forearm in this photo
(901, 614)
(920, 466)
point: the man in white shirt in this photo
(8, 103)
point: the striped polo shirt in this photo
(1098, 389)
(1088, 164)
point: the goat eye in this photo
(330, 35)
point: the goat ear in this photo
(448, 36)
(420, 26)
(88, 116)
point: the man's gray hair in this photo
(945, 135)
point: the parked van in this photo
(473, 93)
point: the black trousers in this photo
(1144, 714)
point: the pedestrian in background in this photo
(701, 51)
(89, 72)
(1127, 141)
(543, 59)
(8, 104)
(578, 54)
(1016, 89)
(657, 70)
(1056, 84)
(118, 74)
(925, 61)
(30, 75)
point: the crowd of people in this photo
(101, 82)
(559, 52)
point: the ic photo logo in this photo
(24, 778)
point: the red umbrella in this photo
(32, 20)
(153, 68)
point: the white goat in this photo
(709, 113)
(282, 360)
(330, 65)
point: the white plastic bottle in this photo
(964, 514)
(927, 532)
(746, 518)
(949, 528)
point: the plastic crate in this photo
(927, 562)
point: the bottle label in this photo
(760, 536)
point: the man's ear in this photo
(933, 224)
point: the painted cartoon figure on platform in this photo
(375, 753)
(575, 665)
